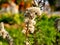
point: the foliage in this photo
(11, 19)
(45, 32)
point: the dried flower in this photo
(5, 34)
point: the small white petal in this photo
(27, 43)
(31, 30)
(24, 31)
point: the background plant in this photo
(45, 31)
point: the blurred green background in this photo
(45, 30)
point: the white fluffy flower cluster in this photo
(5, 34)
(30, 16)
(31, 25)
(35, 10)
